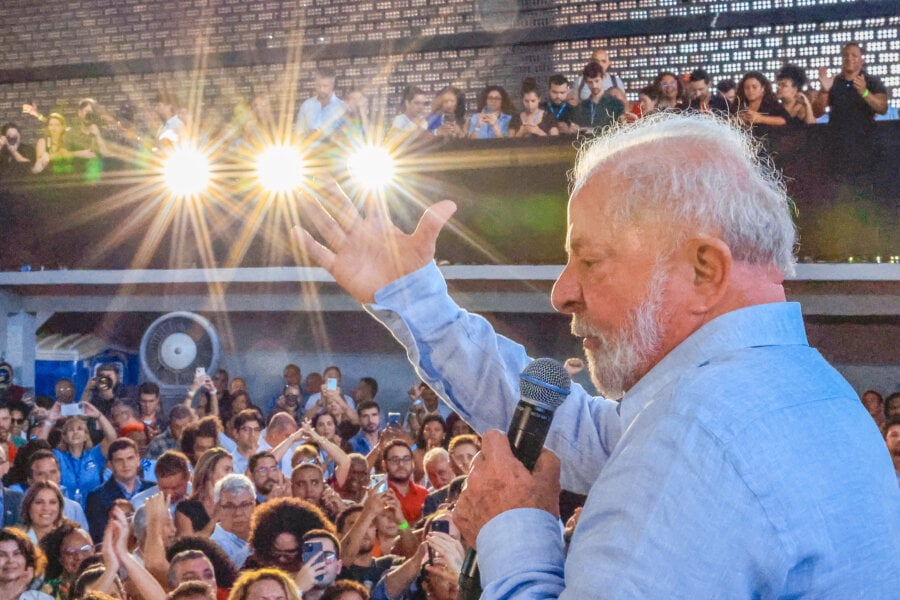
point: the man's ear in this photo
(711, 261)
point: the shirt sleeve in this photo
(521, 555)
(476, 371)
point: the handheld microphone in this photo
(543, 386)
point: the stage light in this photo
(186, 171)
(371, 167)
(280, 168)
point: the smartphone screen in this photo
(332, 383)
(393, 419)
(378, 483)
(442, 526)
(200, 372)
(73, 409)
(310, 549)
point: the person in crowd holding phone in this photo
(397, 461)
(203, 395)
(321, 560)
(277, 531)
(495, 110)
(16, 157)
(533, 120)
(81, 462)
(448, 113)
(357, 527)
(331, 389)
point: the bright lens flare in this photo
(280, 168)
(371, 167)
(186, 172)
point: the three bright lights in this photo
(280, 169)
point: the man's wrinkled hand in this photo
(498, 482)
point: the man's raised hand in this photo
(365, 253)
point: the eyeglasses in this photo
(668, 85)
(80, 550)
(265, 470)
(400, 460)
(329, 556)
(292, 553)
(18, 421)
(233, 508)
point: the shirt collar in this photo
(775, 324)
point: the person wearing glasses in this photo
(495, 109)
(322, 568)
(397, 460)
(235, 500)
(671, 91)
(247, 426)
(18, 412)
(65, 548)
(266, 475)
(277, 532)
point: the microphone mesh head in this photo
(545, 383)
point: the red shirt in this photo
(411, 503)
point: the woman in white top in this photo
(415, 109)
(42, 509)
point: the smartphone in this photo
(332, 383)
(444, 527)
(73, 409)
(378, 483)
(393, 419)
(200, 372)
(310, 549)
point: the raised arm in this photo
(109, 432)
(363, 253)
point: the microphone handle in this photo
(527, 433)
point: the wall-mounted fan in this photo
(175, 345)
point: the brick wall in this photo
(120, 51)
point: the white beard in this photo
(622, 358)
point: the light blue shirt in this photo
(237, 549)
(741, 466)
(73, 511)
(486, 131)
(312, 116)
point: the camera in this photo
(104, 382)
(292, 394)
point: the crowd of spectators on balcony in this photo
(562, 105)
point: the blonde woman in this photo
(193, 514)
(81, 463)
(264, 584)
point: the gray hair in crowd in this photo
(694, 174)
(434, 454)
(233, 483)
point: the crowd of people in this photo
(311, 492)
(592, 100)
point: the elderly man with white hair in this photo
(736, 464)
(235, 498)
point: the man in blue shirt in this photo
(322, 114)
(737, 464)
(126, 483)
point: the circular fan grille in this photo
(175, 345)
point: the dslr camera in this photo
(104, 382)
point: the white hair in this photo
(434, 454)
(233, 483)
(695, 174)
